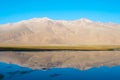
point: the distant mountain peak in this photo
(46, 18)
(84, 20)
(40, 19)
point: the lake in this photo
(65, 65)
(14, 72)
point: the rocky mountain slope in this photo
(44, 31)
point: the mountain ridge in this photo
(45, 31)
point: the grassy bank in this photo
(58, 48)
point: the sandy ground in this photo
(50, 59)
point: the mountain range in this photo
(45, 31)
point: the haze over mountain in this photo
(44, 31)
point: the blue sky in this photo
(96, 10)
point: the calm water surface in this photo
(14, 72)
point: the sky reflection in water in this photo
(14, 72)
